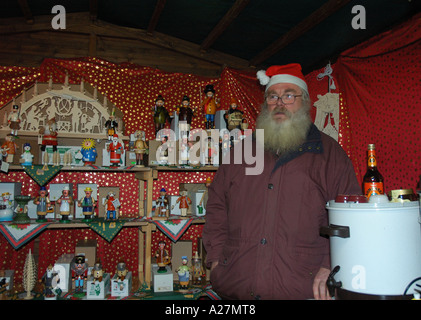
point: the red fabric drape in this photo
(381, 85)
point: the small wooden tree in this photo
(29, 275)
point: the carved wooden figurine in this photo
(9, 148)
(14, 120)
(210, 105)
(65, 201)
(87, 203)
(140, 147)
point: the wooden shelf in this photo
(191, 169)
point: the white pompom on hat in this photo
(289, 73)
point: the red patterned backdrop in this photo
(379, 85)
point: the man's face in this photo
(65, 192)
(160, 103)
(88, 194)
(279, 110)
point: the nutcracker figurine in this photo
(79, 272)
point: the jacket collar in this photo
(313, 144)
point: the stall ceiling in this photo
(260, 32)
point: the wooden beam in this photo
(223, 24)
(155, 16)
(93, 9)
(23, 4)
(92, 44)
(301, 28)
(80, 23)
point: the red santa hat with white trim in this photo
(289, 73)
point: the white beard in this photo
(285, 136)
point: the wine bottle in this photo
(373, 180)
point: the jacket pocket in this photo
(220, 274)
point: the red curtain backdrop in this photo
(379, 86)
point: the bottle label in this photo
(372, 162)
(371, 188)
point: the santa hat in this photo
(290, 73)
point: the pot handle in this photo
(335, 231)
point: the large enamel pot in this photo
(376, 249)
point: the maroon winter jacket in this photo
(264, 229)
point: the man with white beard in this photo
(262, 231)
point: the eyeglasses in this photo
(287, 98)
